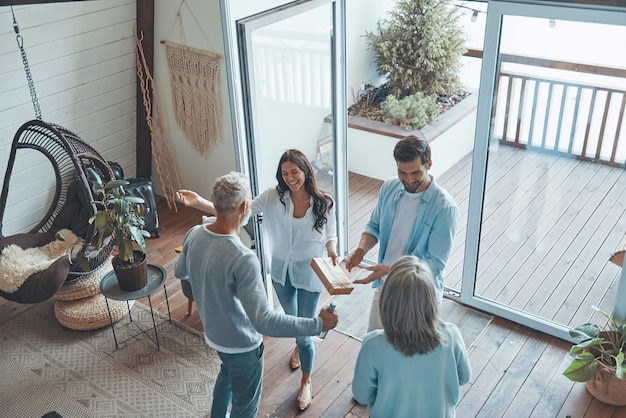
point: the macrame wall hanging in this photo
(193, 78)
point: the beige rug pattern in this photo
(45, 367)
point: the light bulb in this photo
(474, 17)
(552, 23)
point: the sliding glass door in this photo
(548, 184)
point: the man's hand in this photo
(378, 271)
(329, 319)
(187, 197)
(355, 258)
(366, 243)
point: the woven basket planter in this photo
(89, 313)
(606, 387)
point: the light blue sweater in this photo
(230, 296)
(394, 385)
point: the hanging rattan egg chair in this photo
(71, 205)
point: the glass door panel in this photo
(291, 90)
(548, 187)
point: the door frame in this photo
(241, 83)
(486, 101)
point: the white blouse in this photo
(293, 246)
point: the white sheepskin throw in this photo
(17, 264)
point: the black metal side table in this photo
(111, 290)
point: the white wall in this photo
(81, 55)
(202, 28)
(361, 67)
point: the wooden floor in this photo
(516, 372)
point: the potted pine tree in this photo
(418, 50)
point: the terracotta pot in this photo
(134, 276)
(606, 387)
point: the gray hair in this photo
(409, 309)
(229, 191)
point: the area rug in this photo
(354, 311)
(45, 367)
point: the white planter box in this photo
(451, 137)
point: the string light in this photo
(475, 12)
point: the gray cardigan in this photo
(229, 293)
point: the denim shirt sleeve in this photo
(433, 229)
(440, 239)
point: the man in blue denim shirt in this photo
(413, 216)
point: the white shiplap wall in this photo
(82, 60)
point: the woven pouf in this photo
(88, 285)
(90, 312)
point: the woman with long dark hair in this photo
(299, 220)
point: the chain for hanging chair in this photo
(29, 77)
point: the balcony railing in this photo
(562, 107)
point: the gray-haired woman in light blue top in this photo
(415, 365)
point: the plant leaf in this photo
(93, 175)
(619, 369)
(125, 247)
(582, 369)
(580, 348)
(607, 316)
(134, 199)
(115, 183)
(585, 331)
(138, 237)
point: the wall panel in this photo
(82, 60)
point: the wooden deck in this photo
(549, 226)
(516, 371)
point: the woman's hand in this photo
(378, 271)
(331, 250)
(187, 197)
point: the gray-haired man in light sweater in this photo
(228, 289)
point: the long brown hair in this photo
(322, 202)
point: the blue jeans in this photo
(302, 303)
(240, 381)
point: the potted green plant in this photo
(120, 218)
(599, 359)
